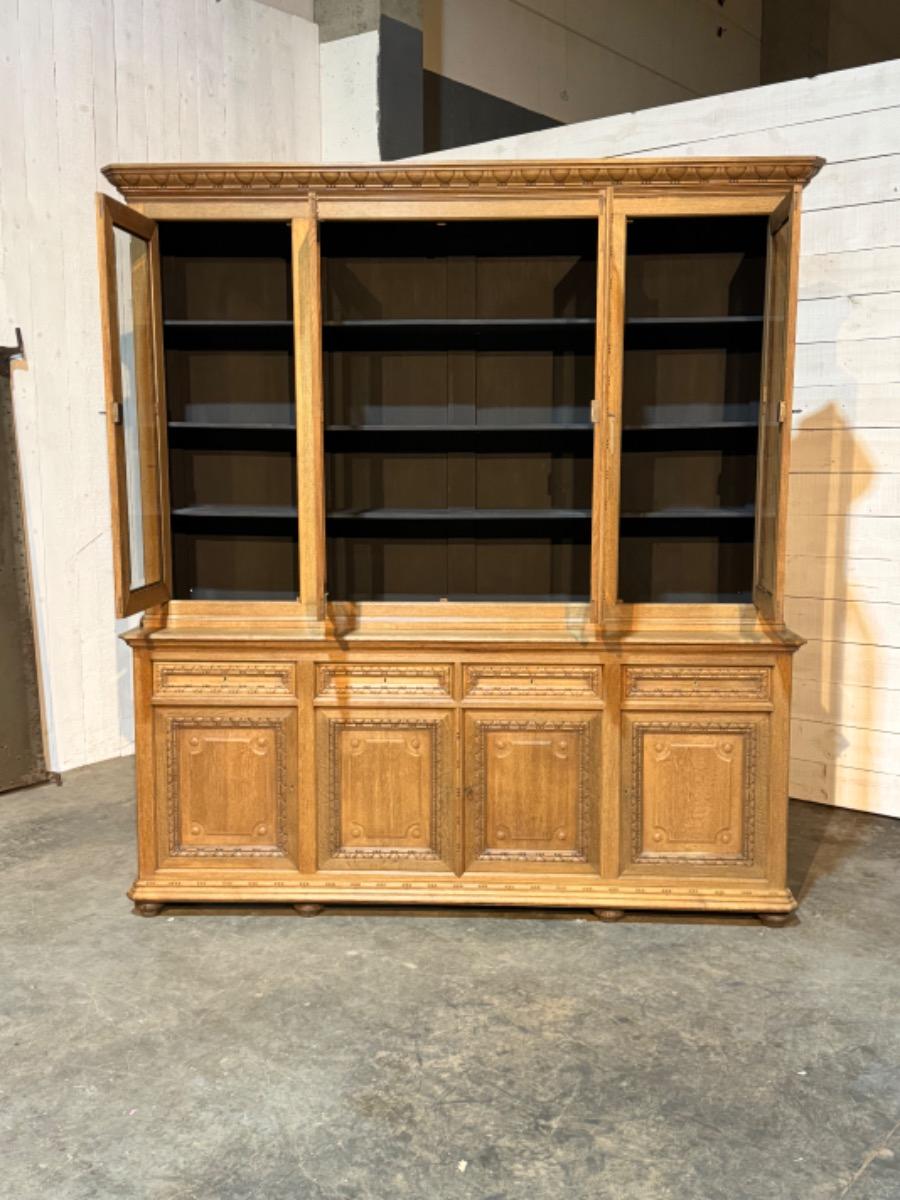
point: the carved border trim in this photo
(657, 677)
(439, 673)
(383, 854)
(487, 724)
(173, 786)
(635, 792)
(284, 674)
(477, 674)
(516, 178)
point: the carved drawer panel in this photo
(364, 682)
(693, 788)
(532, 787)
(509, 681)
(172, 679)
(693, 683)
(386, 790)
(226, 782)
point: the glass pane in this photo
(141, 453)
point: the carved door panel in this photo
(227, 785)
(531, 790)
(694, 790)
(386, 790)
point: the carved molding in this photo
(249, 679)
(475, 813)
(415, 679)
(740, 683)
(252, 181)
(508, 680)
(173, 785)
(331, 817)
(749, 730)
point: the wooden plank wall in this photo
(84, 84)
(843, 578)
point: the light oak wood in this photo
(604, 755)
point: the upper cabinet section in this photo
(561, 386)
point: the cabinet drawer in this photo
(511, 680)
(223, 679)
(348, 682)
(742, 684)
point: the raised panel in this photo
(692, 789)
(223, 679)
(228, 783)
(365, 682)
(539, 681)
(531, 788)
(743, 684)
(386, 790)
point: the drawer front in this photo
(509, 681)
(190, 679)
(704, 684)
(365, 682)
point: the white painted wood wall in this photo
(843, 579)
(84, 83)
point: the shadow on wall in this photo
(830, 473)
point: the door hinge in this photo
(595, 411)
(782, 412)
(116, 411)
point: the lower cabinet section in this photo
(532, 789)
(692, 789)
(386, 797)
(444, 782)
(227, 783)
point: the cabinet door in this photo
(775, 408)
(227, 785)
(386, 794)
(531, 790)
(694, 789)
(135, 405)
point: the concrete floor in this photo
(244, 1053)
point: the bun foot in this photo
(775, 920)
(609, 914)
(147, 908)
(308, 910)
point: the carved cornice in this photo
(252, 181)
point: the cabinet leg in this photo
(308, 910)
(775, 920)
(609, 914)
(147, 908)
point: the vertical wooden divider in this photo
(309, 407)
(598, 405)
(610, 404)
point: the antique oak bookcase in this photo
(454, 496)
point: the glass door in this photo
(130, 294)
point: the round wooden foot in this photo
(609, 914)
(775, 920)
(308, 910)
(147, 908)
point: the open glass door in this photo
(774, 417)
(135, 407)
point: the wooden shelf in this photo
(744, 513)
(632, 322)
(461, 514)
(235, 426)
(464, 323)
(240, 512)
(700, 426)
(192, 324)
(580, 427)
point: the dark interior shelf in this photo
(225, 324)
(240, 512)
(751, 319)
(560, 427)
(461, 323)
(683, 427)
(461, 514)
(745, 512)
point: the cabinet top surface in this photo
(506, 177)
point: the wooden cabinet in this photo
(454, 499)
